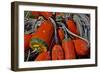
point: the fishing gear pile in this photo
(56, 36)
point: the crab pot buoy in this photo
(68, 46)
(27, 38)
(71, 26)
(57, 52)
(42, 38)
(81, 47)
(46, 14)
(43, 56)
(35, 14)
(60, 34)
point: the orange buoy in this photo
(81, 47)
(35, 14)
(61, 34)
(46, 14)
(57, 52)
(69, 50)
(42, 38)
(43, 56)
(71, 26)
(27, 38)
